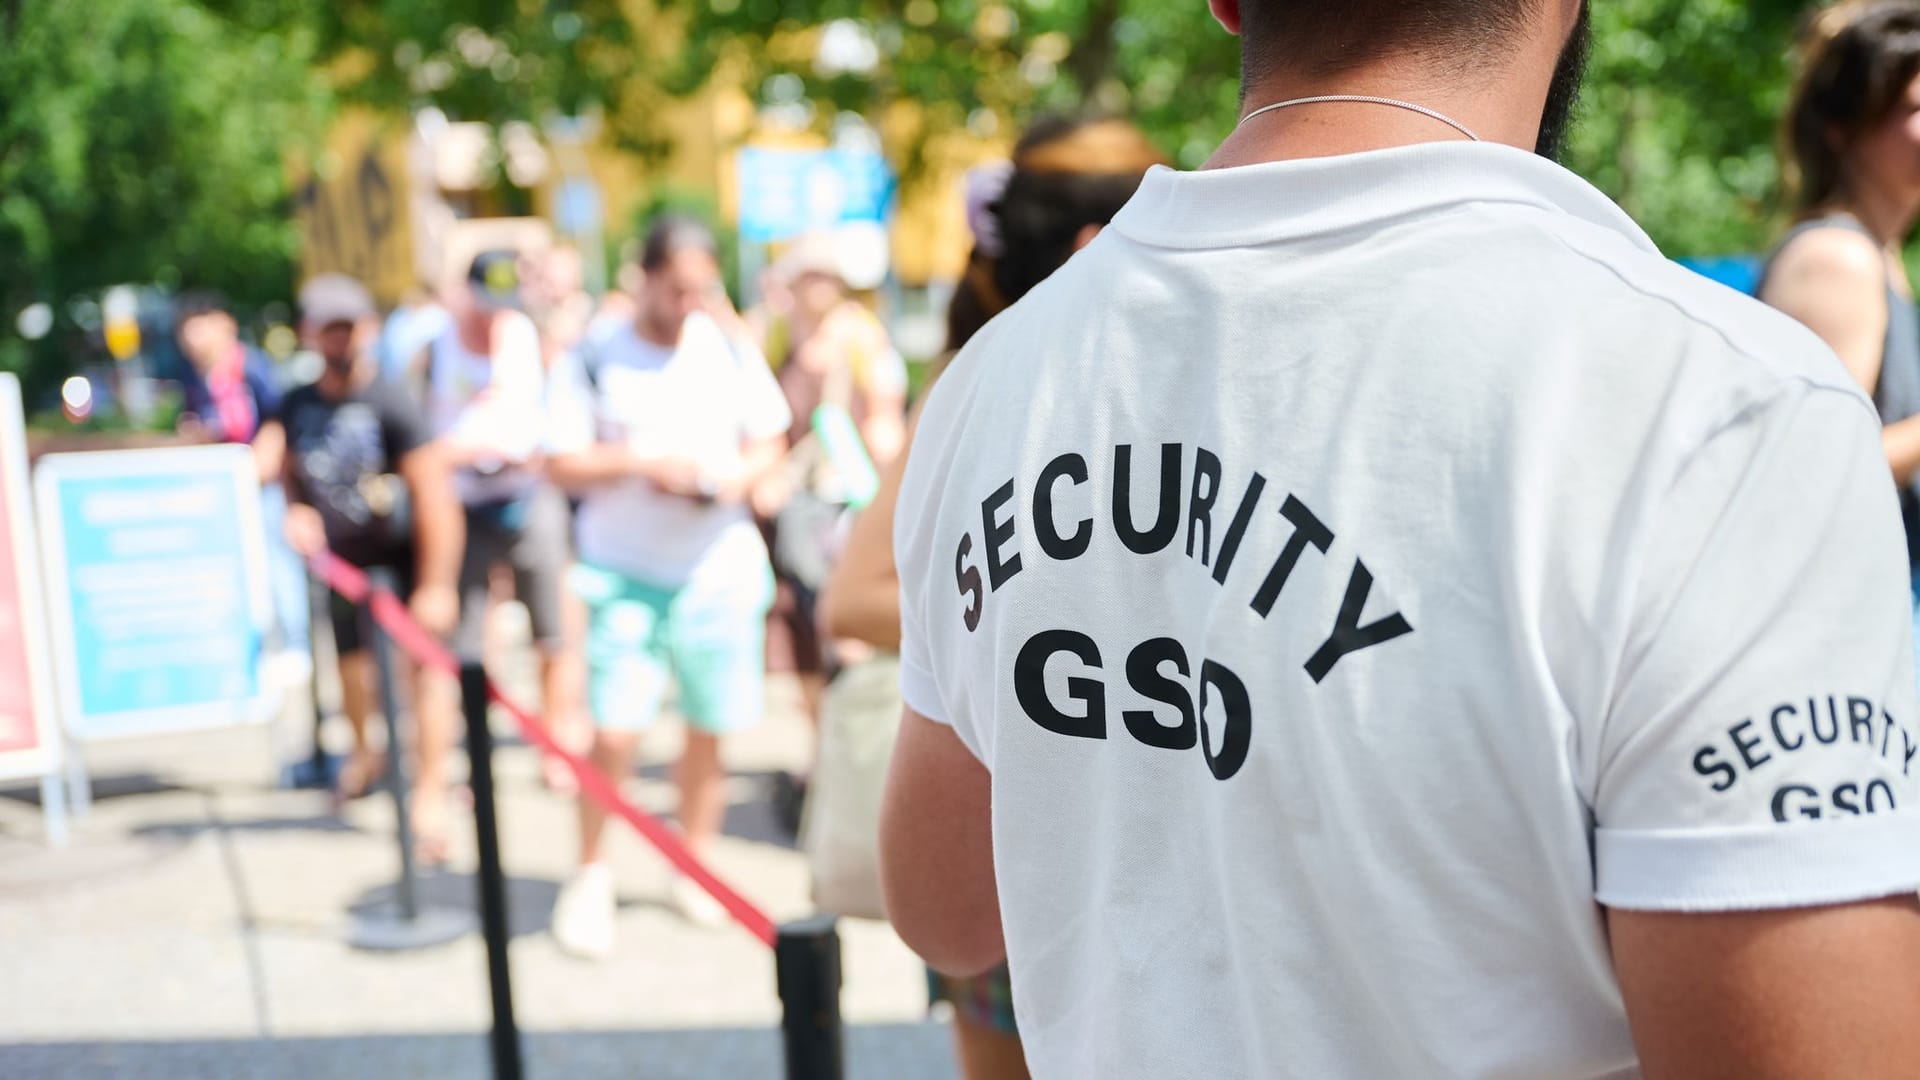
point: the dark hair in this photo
(1044, 209)
(1068, 173)
(1319, 38)
(1857, 61)
(196, 302)
(970, 309)
(671, 234)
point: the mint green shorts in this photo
(710, 639)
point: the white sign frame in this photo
(44, 759)
(233, 461)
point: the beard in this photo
(1563, 94)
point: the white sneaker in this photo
(694, 904)
(583, 913)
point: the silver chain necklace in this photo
(1363, 99)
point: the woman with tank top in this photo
(1853, 141)
(1066, 181)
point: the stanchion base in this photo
(385, 929)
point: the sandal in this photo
(362, 772)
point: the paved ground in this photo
(197, 927)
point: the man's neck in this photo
(1487, 108)
(476, 335)
(336, 385)
(655, 335)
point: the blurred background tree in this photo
(1682, 105)
(975, 65)
(1681, 115)
(141, 141)
(492, 61)
(146, 140)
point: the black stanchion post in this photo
(408, 887)
(492, 880)
(411, 926)
(807, 963)
(319, 770)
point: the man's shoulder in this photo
(615, 346)
(1612, 290)
(300, 398)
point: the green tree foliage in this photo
(145, 140)
(1163, 62)
(1680, 116)
(1682, 97)
(494, 61)
(141, 141)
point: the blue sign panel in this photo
(156, 574)
(1738, 272)
(784, 193)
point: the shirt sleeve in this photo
(518, 397)
(925, 565)
(1761, 746)
(919, 689)
(571, 417)
(402, 423)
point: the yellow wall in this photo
(930, 236)
(367, 227)
(356, 206)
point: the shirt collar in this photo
(1284, 200)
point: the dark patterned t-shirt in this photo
(343, 458)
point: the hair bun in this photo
(1098, 147)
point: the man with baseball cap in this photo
(484, 383)
(365, 481)
(1369, 615)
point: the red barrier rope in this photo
(351, 582)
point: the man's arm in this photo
(936, 850)
(594, 465)
(862, 597)
(1830, 993)
(758, 459)
(440, 536)
(270, 451)
(884, 430)
(305, 531)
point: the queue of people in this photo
(612, 474)
(644, 474)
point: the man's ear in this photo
(1228, 14)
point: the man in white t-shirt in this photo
(1369, 615)
(663, 431)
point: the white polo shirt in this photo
(1356, 571)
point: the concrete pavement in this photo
(197, 927)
